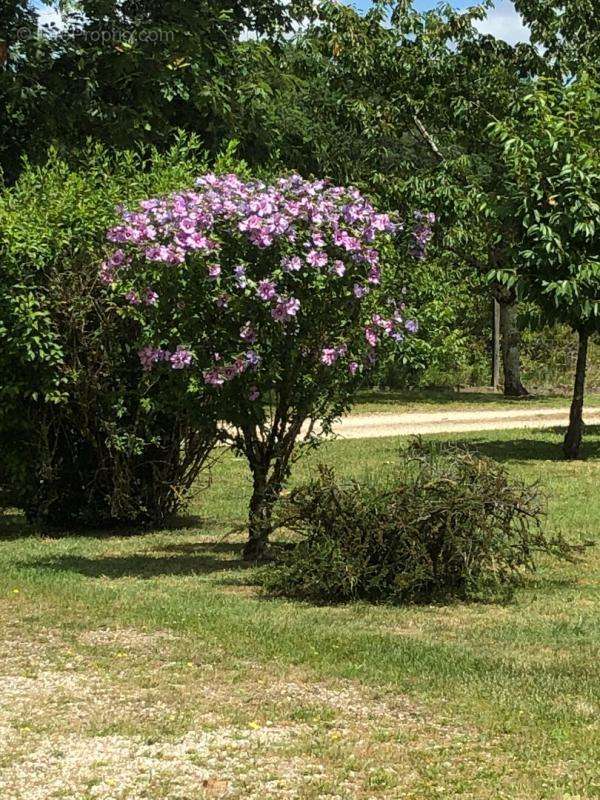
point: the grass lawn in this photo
(374, 401)
(150, 667)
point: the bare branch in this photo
(428, 138)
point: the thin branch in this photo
(428, 138)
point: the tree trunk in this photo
(495, 344)
(574, 434)
(511, 360)
(259, 520)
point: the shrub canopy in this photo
(81, 439)
(269, 301)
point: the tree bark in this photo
(496, 345)
(510, 343)
(574, 434)
(259, 520)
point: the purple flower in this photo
(374, 275)
(150, 298)
(148, 204)
(240, 276)
(149, 356)
(157, 253)
(187, 225)
(197, 241)
(117, 258)
(180, 358)
(214, 270)
(254, 393)
(107, 273)
(421, 234)
(286, 309)
(359, 291)
(371, 336)
(252, 358)
(293, 264)
(316, 258)
(352, 368)
(146, 356)
(213, 377)
(339, 267)
(329, 355)
(371, 257)
(411, 325)
(266, 290)
(132, 298)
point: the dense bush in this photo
(445, 525)
(82, 439)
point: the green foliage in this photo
(131, 72)
(449, 348)
(80, 440)
(551, 159)
(445, 525)
(567, 33)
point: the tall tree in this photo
(126, 71)
(422, 88)
(551, 156)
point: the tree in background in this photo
(551, 154)
(567, 33)
(423, 106)
(132, 71)
(422, 88)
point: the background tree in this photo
(568, 34)
(422, 88)
(551, 154)
(126, 72)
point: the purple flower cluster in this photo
(219, 374)
(167, 230)
(318, 233)
(285, 309)
(149, 356)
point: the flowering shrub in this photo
(271, 300)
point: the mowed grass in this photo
(377, 401)
(150, 665)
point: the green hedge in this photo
(79, 440)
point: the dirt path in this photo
(370, 426)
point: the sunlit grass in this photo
(500, 701)
(373, 401)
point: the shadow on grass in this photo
(15, 526)
(186, 560)
(525, 449)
